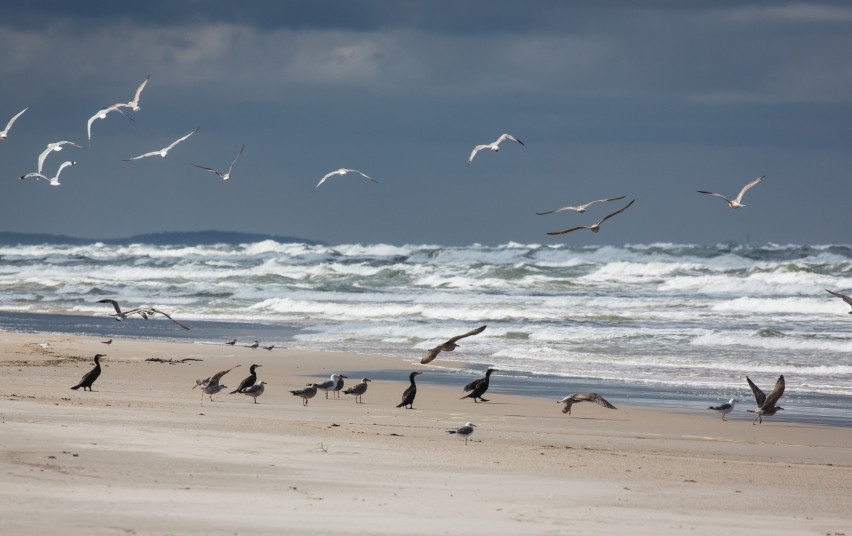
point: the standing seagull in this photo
(344, 171)
(101, 114)
(495, 146)
(766, 404)
(581, 208)
(248, 382)
(134, 104)
(54, 181)
(737, 202)
(465, 431)
(53, 147)
(583, 397)
(144, 312)
(255, 390)
(231, 342)
(843, 297)
(409, 393)
(225, 176)
(478, 387)
(164, 152)
(331, 384)
(211, 385)
(726, 408)
(90, 377)
(449, 346)
(307, 393)
(358, 390)
(5, 132)
(596, 227)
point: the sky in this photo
(650, 100)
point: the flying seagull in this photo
(5, 132)
(843, 297)
(144, 312)
(344, 171)
(54, 181)
(465, 431)
(134, 104)
(358, 390)
(596, 227)
(737, 202)
(726, 408)
(225, 176)
(448, 346)
(766, 404)
(583, 397)
(164, 152)
(495, 146)
(53, 147)
(101, 114)
(581, 208)
(478, 387)
(89, 378)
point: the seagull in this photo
(54, 181)
(409, 393)
(478, 387)
(211, 385)
(737, 202)
(52, 147)
(726, 408)
(4, 133)
(231, 342)
(270, 347)
(493, 146)
(225, 176)
(843, 297)
(581, 208)
(344, 171)
(144, 312)
(89, 378)
(583, 397)
(766, 404)
(448, 346)
(331, 384)
(134, 104)
(253, 346)
(107, 342)
(307, 393)
(358, 390)
(465, 431)
(101, 114)
(596, 227)
(255, 390)
(164, 152)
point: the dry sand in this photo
(142, 454)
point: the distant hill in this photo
(157, 239)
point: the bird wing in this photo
(169, 317)
(569, 230)
(63, 166)
(330, 174)
(476, 331)
(473, 153)
(759, 397)
(773, 397)
(509, 137)
(114, 304)
(622, 209)
(12, 121)
(843, 297)
(169, 148)
(714, 193)
(472, 385)
(364, 175)
(34, 174)
(235, 159)
(557, 210)
(152, 153)
(431, 354)
(214, 380)
(42, 156)
(135, 101)
(746, 187)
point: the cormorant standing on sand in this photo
(409, 394)
(248, 382)
(89, 378)
(358, 390)
(478, 387)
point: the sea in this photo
(675, 325)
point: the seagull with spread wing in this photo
(164, 152)
(5, 132)
(581, 208)
(344, 171)
(227, 175)
(596, 227)
(737, 201)
(494, 146)
(449, 346)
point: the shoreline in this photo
(144, 441)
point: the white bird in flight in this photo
(581, 208)
(165, 150)
(344, 171)
(596, 227)
(134, 104)
(225, 176)
(493, 146)
(4, 133)
(101, 114)
(54, 181)
(53, 147)
(737, 202)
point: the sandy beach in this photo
(144, 454)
